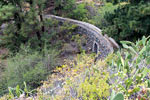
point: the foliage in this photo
(65, 6)
(70, 9)
(118, 96)
(130, 1)
(17, 92)
(82, 77)
(99, 20)
(126, 73)
(95, 86)
(79, 13)
(131, 71)
(22, 18)
(116, 1)
(80, 40)
(129, 22)
(29, 66)
(3, 85)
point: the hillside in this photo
(74, 50)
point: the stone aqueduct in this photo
(102, 45)
(96, 42)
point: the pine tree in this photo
(130, 21)
(23, 18)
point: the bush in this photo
(65, 6)
(79, 13)
(29, 66)
(3, 85)
(129, 70)
(69, 8)
(95, 85)
(82, 79)
(99, 20)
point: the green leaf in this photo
(144, 40)
(126, 42)
(148, 83)
(10, 93)
(119, 96)
(145, 71)
(25, 88)
(112, 95)
(143, 49)
(18, 91)
(130, 48)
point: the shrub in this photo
(3, 85)
(79, 13)
(99, 20)
(65, 6)
(130, 69)
(95, 86)
(29, 66)
(82, 79)
(69, 8)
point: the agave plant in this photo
(137, 48)
(16, 92)
(118, 96)
(131, 65)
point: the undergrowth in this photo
(28, 66)
(124, 74)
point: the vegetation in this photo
(20, 17)
(100, 20)
(69, 9)
(28, 66)
(45, 59)
(126, 75)
(132, 69)
(129, 21)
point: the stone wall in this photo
(96, 41)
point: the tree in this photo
(65, 6)
(23, 18)
(129, 22)
(137, 1)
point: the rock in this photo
(22, 96)
(91, 10)
(58, 83)
(98, 4)
(3, 51)
(112, 41)
(70, 48)
(2, 28)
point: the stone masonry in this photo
(97, 42)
